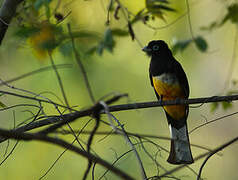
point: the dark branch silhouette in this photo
(61, 143)
(7, 12)
(214, 152)
(67, 118)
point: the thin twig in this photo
(80, 64)
(219, 148)
(212, 121)
(90, 140)
(72, 116)
(59, 79)
(59, 66)
(51, 167)
(64, 144)
(87, 112)
(117, 159)
(167, 25)
(10, 153)
(143, 173)
(124, 133)
(34, 99)
(137, 135)
(63, 94)
(233, 60)
(214, 152)
(189, 20)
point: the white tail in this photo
(180, 152)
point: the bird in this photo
(170, 82)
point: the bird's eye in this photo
(155, 47)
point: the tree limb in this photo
(61, 143)
(88, 112)
(7, 12)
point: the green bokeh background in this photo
(124, 71)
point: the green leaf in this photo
(162, 7)
(85, 34)
(214, 106)
(100, 48)
(162, 1)
(108, 36)
(139, 16)
(25, 32)
(226, 105)
(92, 50)
(201, 43)
(150, 2)
(39, 3)
(49, 45)
(111, 5)
(66, 48)
(108, 41)
(210, 27)
(156, 8)
(180, 45)
(119, 32)
(47, 10)
(232, 14)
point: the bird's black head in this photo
(156, 48)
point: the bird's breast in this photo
(168, 87)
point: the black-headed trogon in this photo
(170, 82)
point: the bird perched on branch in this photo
(170, 82)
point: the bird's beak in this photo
(146, 49)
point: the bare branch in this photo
(214, 152)
(88, 112)
(219, 148)
(47, 68)
(61, 143)
(133, 106)
(80, 64)
(7, 12)
(172, 102)
(189, 20)
(34, 99)
(90, 140)
(78, 133)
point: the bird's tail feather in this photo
(180, 152)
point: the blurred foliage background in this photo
(109, 40)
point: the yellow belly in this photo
(170, 92)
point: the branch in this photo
(7, 12)
(34, 99)
(219, 148)
(90, 140)
(214, 152)
(172, 102)
(88, 112)
(137, 135)
(61, 143)
(47, 68)
(81, 66)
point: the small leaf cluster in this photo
(199, 41)
(231, 15)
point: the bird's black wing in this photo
(182, 78)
